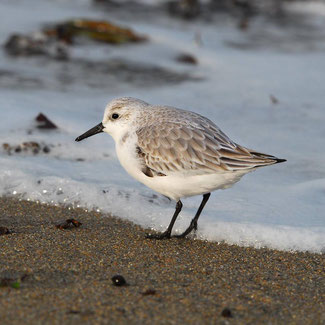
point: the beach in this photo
(54, 276)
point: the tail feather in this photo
(279, 160)
(264, 159)
(246, 159)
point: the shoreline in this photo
(65, 275)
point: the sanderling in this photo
(175, 152)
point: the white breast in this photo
(127, 155)
(174, 186)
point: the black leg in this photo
(193, 224)
(166, 234)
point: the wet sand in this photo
(64, 276)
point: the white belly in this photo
(177, 185)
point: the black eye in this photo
(115, 116)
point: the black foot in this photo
(162, 235)
(192, 226)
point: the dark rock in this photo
(118, 280)
(226, 312)
(44, 122)
(149, 292)
(69, 223)
(28, 147)
(10, 282)
(187, 58)
(24, 45)
(4, 231)
(38, 43)
(274, 100)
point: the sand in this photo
(64, 276)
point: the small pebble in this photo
(226, 313)
(68, 224)
(44, 122)
(72, 311)
(8, 282)
(274, 100)
(118, 280)
(149, 292)
(4, 231)
(187, 58)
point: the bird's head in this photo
(119, 116)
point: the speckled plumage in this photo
(174, 140)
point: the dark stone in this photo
(69, 223)
(118, 280)
(149, 292)
(187, 58)
(4, 231)
(44, 122)
(226, 312)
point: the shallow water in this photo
(281, 206)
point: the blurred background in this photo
(255, 68)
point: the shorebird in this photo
(175, 152)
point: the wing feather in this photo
(194, 148)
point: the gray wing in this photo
(193, 148)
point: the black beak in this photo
(96, 129)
